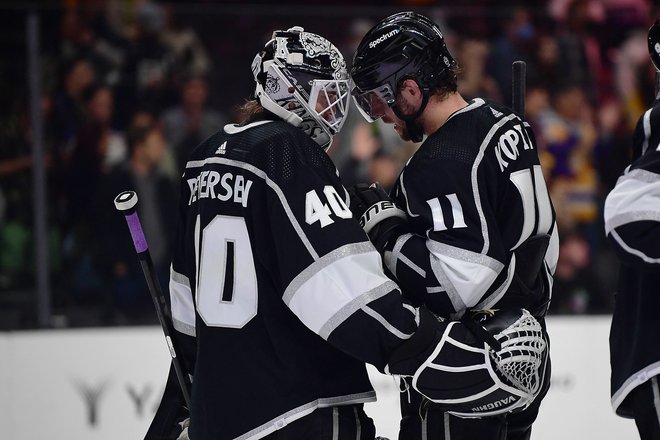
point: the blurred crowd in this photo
(131, 87)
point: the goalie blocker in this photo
(466, 374)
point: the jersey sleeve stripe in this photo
(444, 250)
(494, 297)
(278, 191)
(378, 317)
(465, 279)
(333, 282)
(391, 258)
(641, 255)
(646, 123)
(405, 195)
(183, 307)
(475, 181)
(356, 304)
(634, 198)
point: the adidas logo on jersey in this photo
(222, 149)
(496, 113)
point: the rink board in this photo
(91, 384)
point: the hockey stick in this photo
(126, 203)
(518, 87)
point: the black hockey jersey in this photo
(279, 286)
(632, 224)
(473, 193)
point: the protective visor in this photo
(329, 99)
(373, 103)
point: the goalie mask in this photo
(402, 46)
(302, 78)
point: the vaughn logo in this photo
(382, 38)
(494, 405)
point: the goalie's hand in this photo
(377, 213)
(458, 369)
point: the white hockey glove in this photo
(378, 214)
(184, 433)
(494, 364)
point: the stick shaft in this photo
(518, 87)
(126, 203)
(164, 317)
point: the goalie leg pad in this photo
(468, 378)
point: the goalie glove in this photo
(377, 213)
(472, 376)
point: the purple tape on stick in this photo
(137, 234)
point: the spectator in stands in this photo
(68, 104)
(148, 77)
(580, 60)
(569, 136)
(516, 42)
(140, 173)
(190, 122)
(190, 55)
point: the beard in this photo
(409, 130)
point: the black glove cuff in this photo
(409, 356)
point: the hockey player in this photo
(278, 296)
(472, 225)
(632, 225)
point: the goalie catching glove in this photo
(470, 374)
(377, 213)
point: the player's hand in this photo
(377, 213)
(460, 370)
(184, 433)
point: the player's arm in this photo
(331, 274)
(632, 213)
(459, 263)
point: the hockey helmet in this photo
(654, 43)
(302, 78)
(406, 45)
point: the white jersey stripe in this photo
(646, 122)
(378, 317)
(635, 197)
(641, 255)
(325, 294)
(475, 181)
(358, 303)
(465, 275)
(183, 307)
(297, 413)
(280, 194)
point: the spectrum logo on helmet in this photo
(382, 38)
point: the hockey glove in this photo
(462, 372)
(377, 213)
